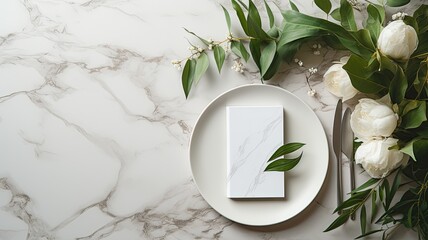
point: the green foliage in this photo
(188, 75)
(324, 5)
(284, 164)
(219, 56)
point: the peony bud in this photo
(377, 159)
(372, 119)
(338, 82)
(398, 41)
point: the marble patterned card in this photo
(253, 135)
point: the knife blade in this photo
(348, 146)
(337, 147)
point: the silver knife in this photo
(348, 146)
(337, 147)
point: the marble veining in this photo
(94, 126)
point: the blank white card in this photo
(253, 135)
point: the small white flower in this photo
(312, 92)
(315, 46)
(312, 70)
(317, 52)
(191, 48)
(319, 46)
(296, 60)
(399, 16)
(300, 63)
(230, 37)
(196, 55)
(238, 66)
(200, 49)
(210, 47)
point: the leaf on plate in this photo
(283, 164)
(286, 149)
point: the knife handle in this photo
(352, 172)
(339, 181)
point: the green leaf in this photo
(355, 199)
(358, 72)
(374, 206)
(365, 185)
(381, 11)
(363, 37)
(363, 219)
(227, 16)
(274, 66)
(415, 117)
(253, 14)
(388, 198)
(324, 5)
(254, 23)
(347, 18)
(270, 15)
(397, 3)
(335, 14)
(408, 149)
(243, 4)
(339, 221)
(194, 34)
(201, 67)
(374, 22)
(219, 56)
(283, 164)
(296, 33)
(241, 16)
(420, 150)
(395, 185)
(286, 149)
(267, 55)
(398, 86)
(307, 26)
(239, 49)
(289, 50)
(255, 51)
(421, 17)
(421, 78)
(409, 219)
(422, 49)
(369, 233)
(293, 6)
(188, 75)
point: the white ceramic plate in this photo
(208, 156)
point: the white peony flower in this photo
(372, 119)
(338, 82)
(398, 41)
(377, 159)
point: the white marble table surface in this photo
(94, 126)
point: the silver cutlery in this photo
(348, 146)
(337, 147)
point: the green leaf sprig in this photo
(259, 44)
(278, 162)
